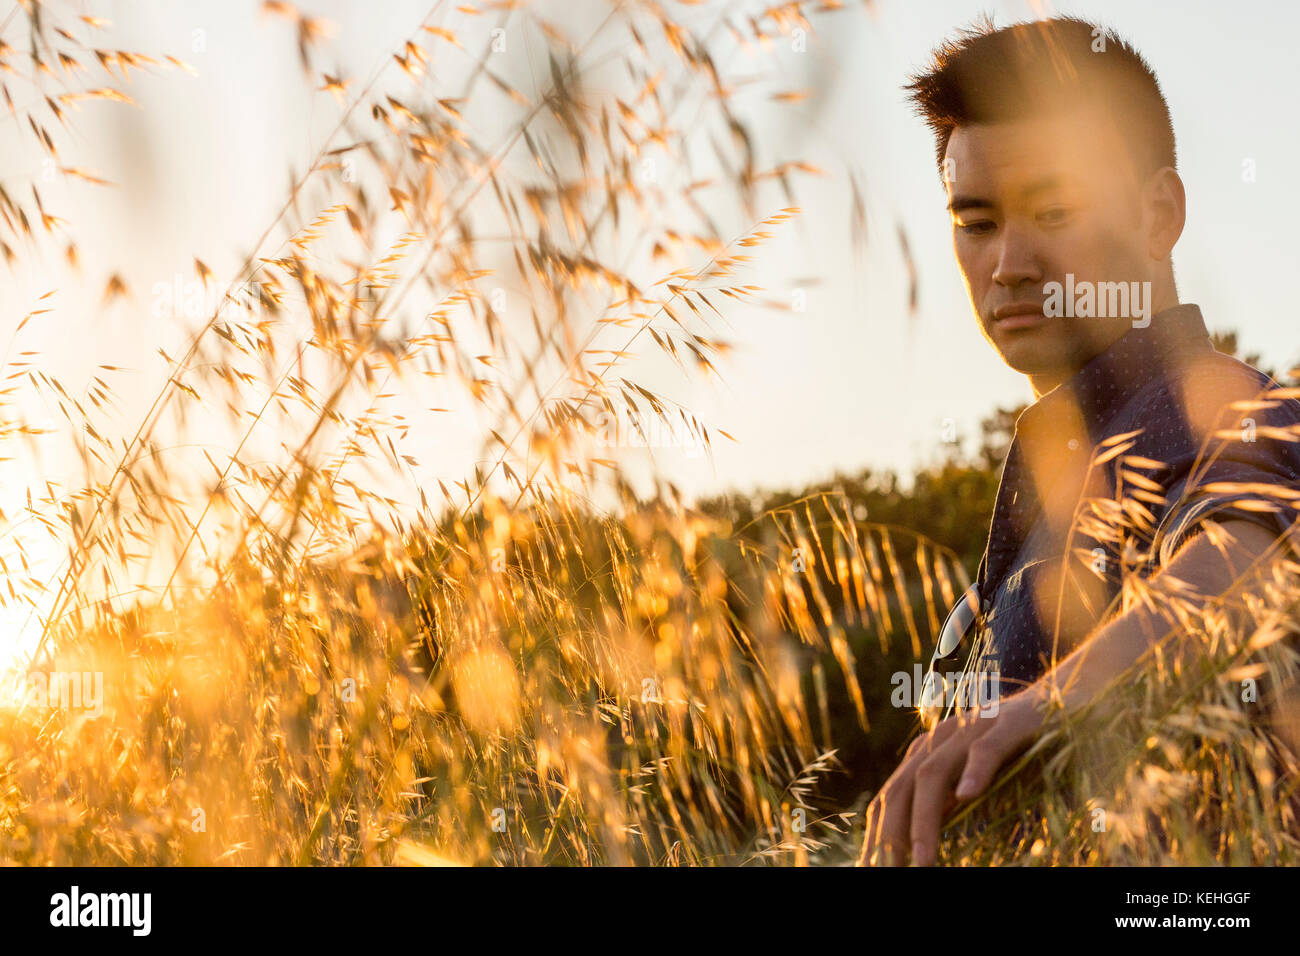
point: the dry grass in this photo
(536, 665)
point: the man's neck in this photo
(1042, 384)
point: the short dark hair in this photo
(1040, 66)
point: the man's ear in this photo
(1165, 203)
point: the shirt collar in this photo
(1105, 383)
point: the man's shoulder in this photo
(1207, 392)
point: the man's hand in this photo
(905, 816)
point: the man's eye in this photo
(1054, 216)
(978, 227)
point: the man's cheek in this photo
(975, 273)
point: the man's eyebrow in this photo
(959, 203)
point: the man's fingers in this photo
(870, 832)
(887, 821)
(905, 818)
(889, 817)
(896, 814)
(932, 793)
(874, 819)
(982, 762)
(987, 754)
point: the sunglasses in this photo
(963, 620)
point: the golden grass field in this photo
(535, 665)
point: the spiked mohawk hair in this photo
(1039, 67)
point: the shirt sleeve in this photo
(1189, 515)
(1249, 471)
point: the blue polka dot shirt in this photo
(1110, 472)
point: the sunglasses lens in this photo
(960, 621)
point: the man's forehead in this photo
(1024, 156)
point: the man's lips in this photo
(1018, 315)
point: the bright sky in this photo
(853, 381)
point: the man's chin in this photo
(1030, 351)
(1026, 357)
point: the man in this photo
(1056, 149)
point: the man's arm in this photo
(904, 818)
(1208, 562)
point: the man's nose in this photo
(1017, 262)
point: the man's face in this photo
(1034, 200)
